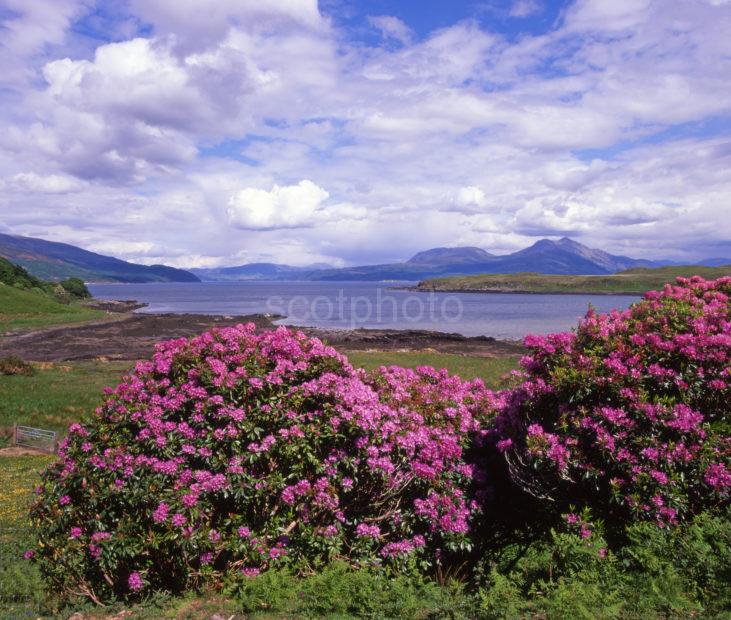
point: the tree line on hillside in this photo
(66, 291)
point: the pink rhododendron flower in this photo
(135, 582)
(161, 513)
(368, 531)
(619, 412)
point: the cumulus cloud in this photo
(290, 206)
(471, 197)
(28, 26)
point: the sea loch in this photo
(348, 305)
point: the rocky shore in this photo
(127, 336)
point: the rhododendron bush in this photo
(629, 414)
(235, 452)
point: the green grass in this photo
(489, 369)
(21, 310)
(630, 282)
(21, 589)
(56, 395)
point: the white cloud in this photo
(483, 224)
(29, 27)
(291, 206)
(197, 24)
(392, 28)
(45, 184)
(126, 249)
(470, 197)
(34, 23)
(525, 8)
(603, 15)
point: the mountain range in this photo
(565, 256)
(56, 261)
(50, 260)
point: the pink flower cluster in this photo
(629, 409)
(237, 451)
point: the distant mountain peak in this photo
(567, 242)
(604, 261)
(440, 256)
(564, 243)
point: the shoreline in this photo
(416, 289)
(128, 335)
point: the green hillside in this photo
(634, 281)
(50, 260)
(25, 309)
(26, 301)
(65, 291)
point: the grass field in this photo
(21, 591)
(56, 395)
(630, 282)
(20, 310)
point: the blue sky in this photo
(201, 133)
(511, 19)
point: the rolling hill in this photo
(50, 260)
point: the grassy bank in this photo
(30, 309)
(56, 394)
(630, 282)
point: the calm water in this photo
(339, 305)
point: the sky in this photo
(203, 133)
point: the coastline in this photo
(416, 289)
(127, 335)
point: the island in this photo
(634, 281)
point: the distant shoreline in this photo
(416, 289)
(632, 282)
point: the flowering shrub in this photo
(628, 414)
(234, 452)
